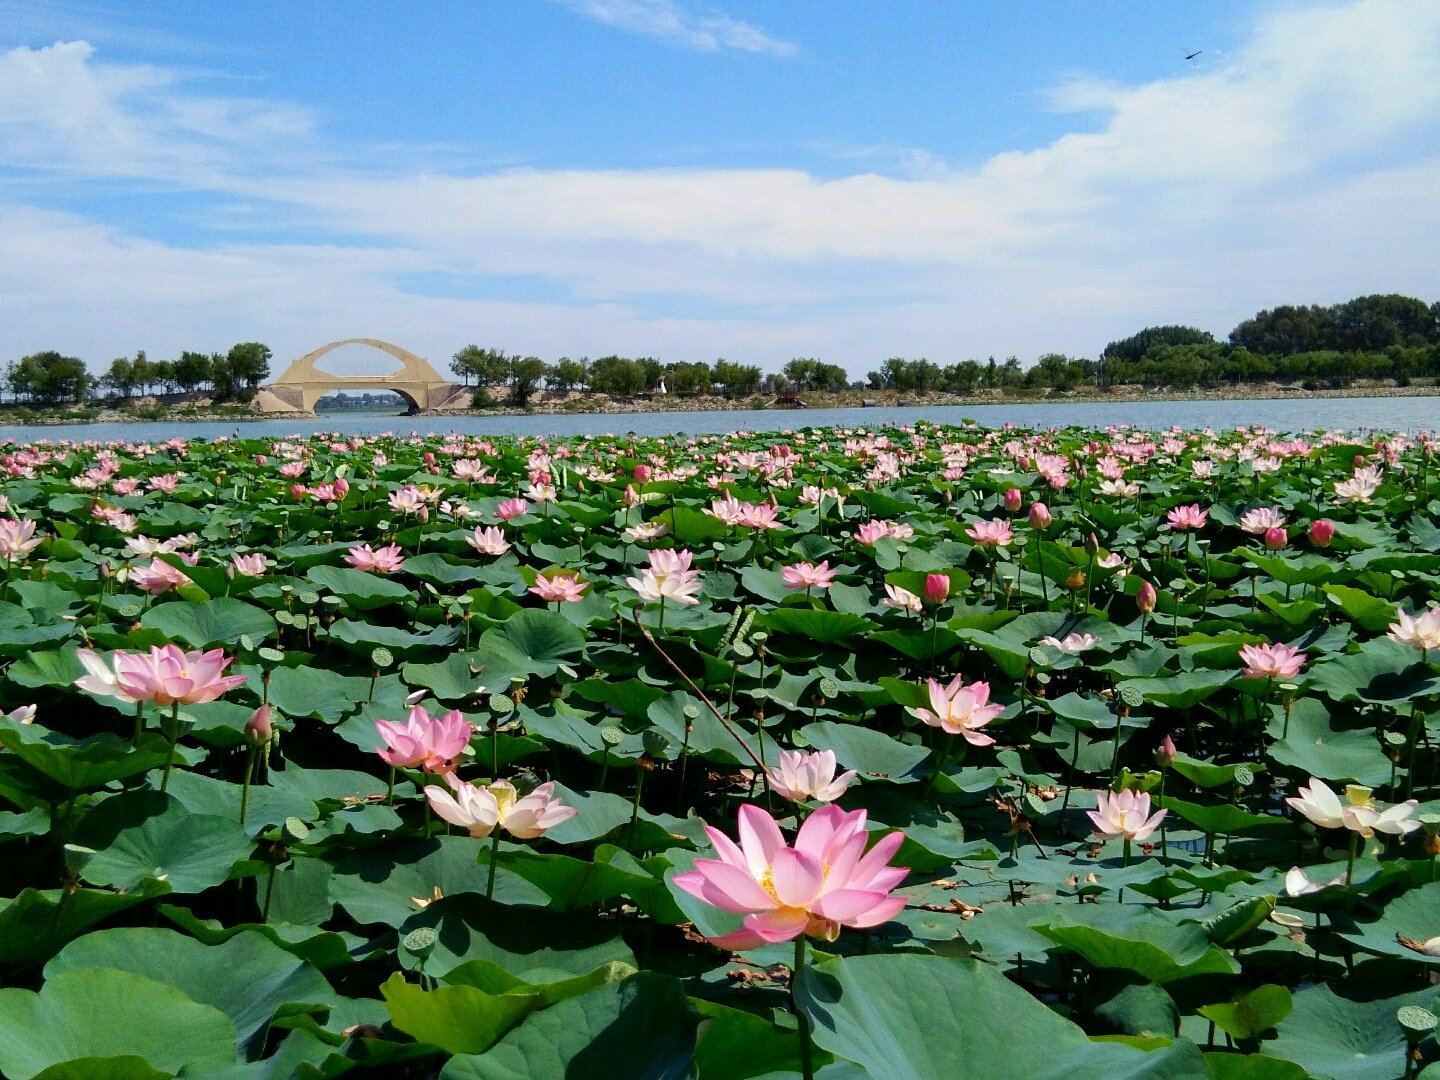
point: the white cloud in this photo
(1298, 168)
(677, 23)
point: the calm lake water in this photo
(1285, 415)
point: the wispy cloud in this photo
(678, 23)
(1270, 177)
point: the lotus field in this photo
(895, 753)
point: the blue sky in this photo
(754, 180)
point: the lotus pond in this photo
(914, 752)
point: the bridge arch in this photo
(416, 381)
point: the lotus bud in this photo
(937, 588)
(342, 487)
(1276, 538)
(422, 515)
(1165, 752)
(261, 460)
(1358, 461)
(642, 473)
(429, 458)
(297, 491)
(259, 730)
(1322, 532)
(631, 496)
(1145, 598)
(1092, 544)
(1012, 500)
(1040, 516)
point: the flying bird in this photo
(1191, 56)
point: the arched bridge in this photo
(303, 384)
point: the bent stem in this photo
(945, 752)
(245, 785)
(1350, 865)
(494, 856)
(802, 1022)
(173, 734)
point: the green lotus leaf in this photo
(248, 978)
(642, 1026)
(865, 1009)
(358, 588)
(1152, 947)
(1340, 1036)
(104, 1013)
(221, 621)
(149, 836)
(875, 755)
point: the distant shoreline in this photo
(599, 405)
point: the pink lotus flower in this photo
(385, 560)
(1165, 753)
(827, 880)
(488, 541)
(292, 469)
(159, 577)
(1146, 597)
(760, 516)
(531, 816)
(1359, 813)
(668, 577)
(561, 587)
(1126, 815)
(1040, 518)
(729, 510)
(165, 675)
(990, 534)
(101, 678)
(1258, 521)
(959, 709)
(1275, 539)
(434, 743)
(1013, 499)
(259, 729)
(1071, 643)
(937, 588)
(1183, 518)
(871, 531)
(479, 809)
(165, 484)
(1322, 531)
(804, 575)
(17, 538)
(252, 565)
(800, 777)
(1271, 661)
(896, 597)
(511, 508)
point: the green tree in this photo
(249, 363)
(688, 378)
(120, 377)
(143, 371)
(738, 380)
(192, 371)
(489, 367)
(1134, 348)
(566, 375)
(617, 376)
(48, 378)
(227, 386)
(163, 372)
(525, 375)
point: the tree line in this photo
(1376, 337)
(49, 378)
(1381, 336)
